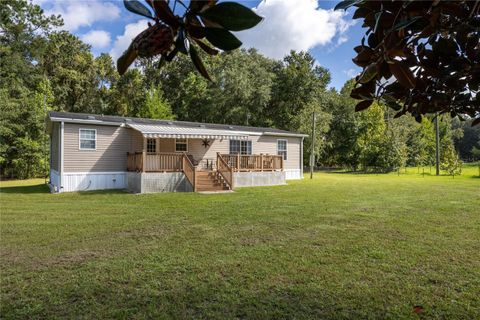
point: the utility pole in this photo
(437, 145)
(312, 152)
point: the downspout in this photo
(61, 141)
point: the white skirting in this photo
(256, 179)
(86, 181)
(293, 174)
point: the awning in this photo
(171, 131)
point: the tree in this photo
(299, 83)
(421, 142)
(450, 161)
(24, 91)
(240, 94)
(419, 56)
(341, 140)
(155, 106)
(470, 140)
(70, 66)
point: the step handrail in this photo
(225, 170)
(190, 171)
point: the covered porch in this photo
(175, 162)
(196, 154)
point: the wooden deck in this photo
(224, 168)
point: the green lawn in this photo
(339, 246)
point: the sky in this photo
(312, 25)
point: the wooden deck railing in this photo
(189, 171)
(134, 161)
(225, 170)
(158, 162)
(254, 162)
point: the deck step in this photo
(207, 181)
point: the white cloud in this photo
(294, 25)
(97, 38)
(123, 41)
(351, 73)
(78, 14)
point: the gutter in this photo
(286, 134)
(86, 121)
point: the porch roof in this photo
(171, 131)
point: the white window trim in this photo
(155, 144)
(240, 153)
(175, 143)
(80, 138)
(286, 148)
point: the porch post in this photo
(144, 154)
(261, 161)
(238, 161)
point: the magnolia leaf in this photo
(405, 23)
(205, 47)
(164, 12)
(378, 15)
(126, 59)
(476, 121)
(368, 74)
(222, 39)
(196, 6)
(362, 105)
(182, 43)
(403, 74)
(138, 8)
(196, 32)
(364, 91)
(343, 5)
(232, 16)
(169, 57)
(198, 63)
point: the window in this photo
(240, 146)
(88, 139)
(282, 148)
(151, 145)
(181, 145)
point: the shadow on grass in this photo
(43, 188)
(37, 188)
(97, 192)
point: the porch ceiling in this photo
(171, 131)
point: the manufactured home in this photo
(94, 152)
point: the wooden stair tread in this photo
(208, 181)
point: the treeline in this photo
(43, 69)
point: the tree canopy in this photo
(44, 69)
(419, 57)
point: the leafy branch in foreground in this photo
(170, 33)
(419, 56)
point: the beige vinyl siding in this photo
(112, 145)
(114, 142)
(55, 146)
(136, 141)
(260, 144)
(268, 144)
(201, 153)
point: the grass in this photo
(339, 246)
